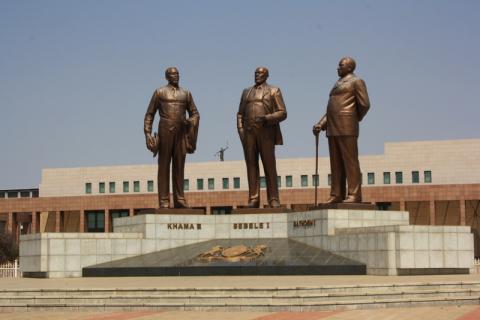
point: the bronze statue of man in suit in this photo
(347, 105)
(260, 112)
(177, 135)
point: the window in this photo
(398, 177)
(101, 187)
(150, 185)
(111, 187)
(329, 179)
(315, 180)
(371, 178)
(199, 184)
(119, 214)
(225, 183)
(263, 182)
(186, 184)
(126, 186)
(427, 176)
(279, 181)
(415, 177)
(211, 183)
(304, 180)
(24, 194)
(386, 178)
(136, 186)
(88, 188)
(288, 181)
(236, 183)
(95, 221)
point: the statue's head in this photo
(346, 66)
(261, 75)
(172, 76)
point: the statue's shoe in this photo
(352, 199)
(334, 200)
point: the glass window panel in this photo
(111, 187)
(329, 179)
(398, 177)
(88, 188)
(236, 183)
(288, 181)
(211, 183)
(427, 175)
(415, 177)
(91, 220)
(136, 186)
(199, 184)
(225, 183)
(371, 178)
(314, 180)
(101, 187)
(304, 180)
(100, 220)
(126, 186)
(263, 182)
(279, 181)
(186, 184)
(150, 185)
(386, 178)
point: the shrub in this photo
(8, 248)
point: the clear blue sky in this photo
(76, 76)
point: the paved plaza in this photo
(461, 312)
(424, 313)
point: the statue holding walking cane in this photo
(177, 136)
(347, 105)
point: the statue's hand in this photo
(151, 142)
(317, 128)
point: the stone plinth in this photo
(345, 206)
(241, 210)
(382, 240)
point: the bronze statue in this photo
(177, 136)
(260, 112)
(347, 105)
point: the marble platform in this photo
(382, 240)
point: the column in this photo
(462, 212)
(81, 225)
(208, 210)
(402, 205)
(10, 223)
(34, 227)
(432, 212)
(58, 220)
(131, 212)
(107, 220)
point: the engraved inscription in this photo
(304, 223)
(251, 225)
(184, 226)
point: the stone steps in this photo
(242, 299)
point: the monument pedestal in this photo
(381, 241)
(173, 211)
(344, 206)
(245, 210)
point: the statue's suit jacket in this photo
(347, 105)
(274, 105)
(172, 104)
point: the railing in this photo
(10, 269)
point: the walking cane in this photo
(316, 168)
